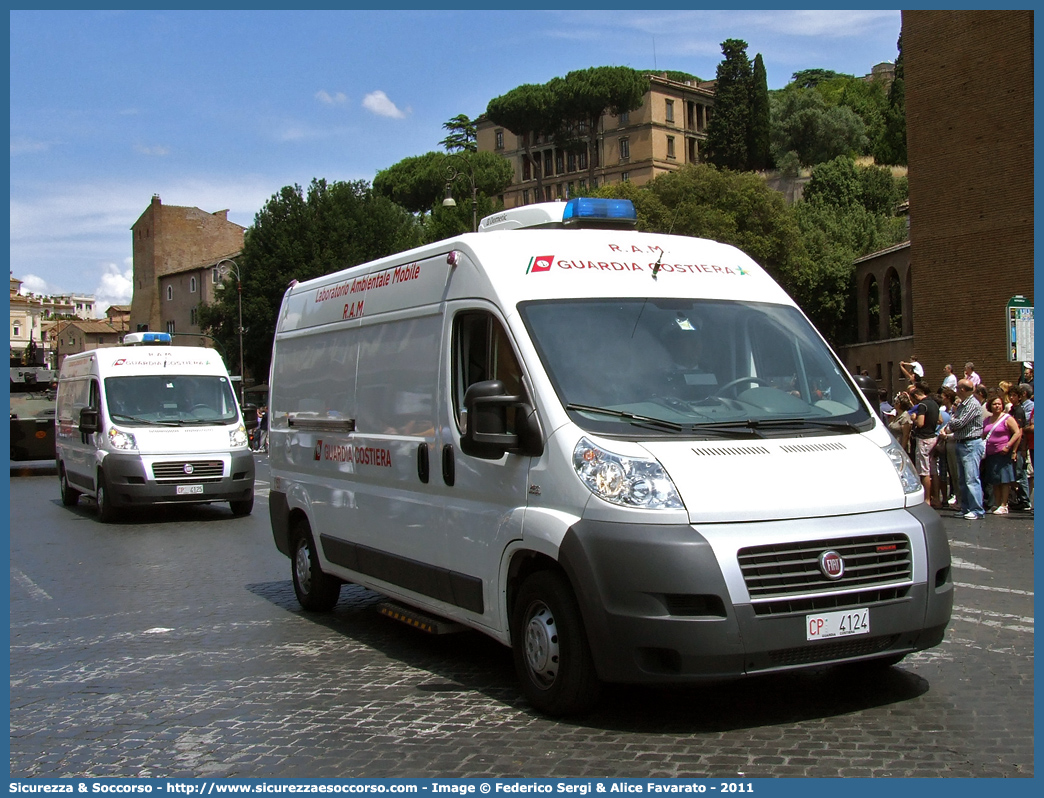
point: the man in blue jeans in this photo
(966, 427)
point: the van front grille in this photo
(786, 577)
(188, 471)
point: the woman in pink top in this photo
(1002, 435)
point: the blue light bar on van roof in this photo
(133, 339)
(593, 208)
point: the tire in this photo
(70, 496)
(106, 512)
(244, 507)
(316, 591)
(551, 652)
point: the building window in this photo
(170, 327)
(214, 276)
(525, 196)
(559, 162)
(193, 316)
(670, 110)
(625, 177)
(547, 193)
(500, 139)
(670, 147)
(571, 162)
(170, 292)
(192, 285)
(625, 118)
(526, 171)
(17, 331)
(625, 149)
(547, 163)
(582, 159)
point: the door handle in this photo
(447, 464)
(423, 468)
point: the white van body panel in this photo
(183, 451)
(366, 433)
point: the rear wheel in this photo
(106, 512)
(316, 591)
(549, 643)
(70, 496)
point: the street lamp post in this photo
(239, 330)
(452, 173)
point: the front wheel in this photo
(106, 512)
(316, 591)
(549, 643)
(70, 496)
(244, 507)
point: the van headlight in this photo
(237, 438)
(120, 440)
(903, 467)
(629, 481)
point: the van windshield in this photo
(170, 399)
(711, 368)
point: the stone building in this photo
(171, 240)
(665, 132)
(971, 200)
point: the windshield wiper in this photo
(168, 422)
(633, 418)
(802, 423)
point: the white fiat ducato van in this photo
(628, 456)
(149, 423)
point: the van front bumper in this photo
(658, 606)
(132, 481)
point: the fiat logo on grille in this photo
(831, 564)
(188, 469)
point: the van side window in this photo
(482, 351)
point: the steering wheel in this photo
(740, 381)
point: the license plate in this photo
(837, 624)
(185, 490)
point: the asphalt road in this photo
(171, 645)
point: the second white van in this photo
(148, 423)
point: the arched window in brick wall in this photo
(895, 304)
(873, 309)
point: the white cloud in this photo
(338, 98)
(25, 146)
(115, 286)
(33, 284)
(377, 102)
(159, 150)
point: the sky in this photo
(221, 109)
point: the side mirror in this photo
(486, 435)
(868, 385)
(89, 421)
(249, 416)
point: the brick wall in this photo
(969, 117)
(171, 238)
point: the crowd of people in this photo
(971, 445)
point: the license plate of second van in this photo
(189, 489)
(837, 624)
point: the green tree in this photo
(759, 150)
(419, 184)
(727, 131)
(462, 135)
(298, 236)
(810, 78)
(584, 95)
(891, 146)
(529, 111)
(803, 124)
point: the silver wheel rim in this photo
(541, 645)
(303, 567)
